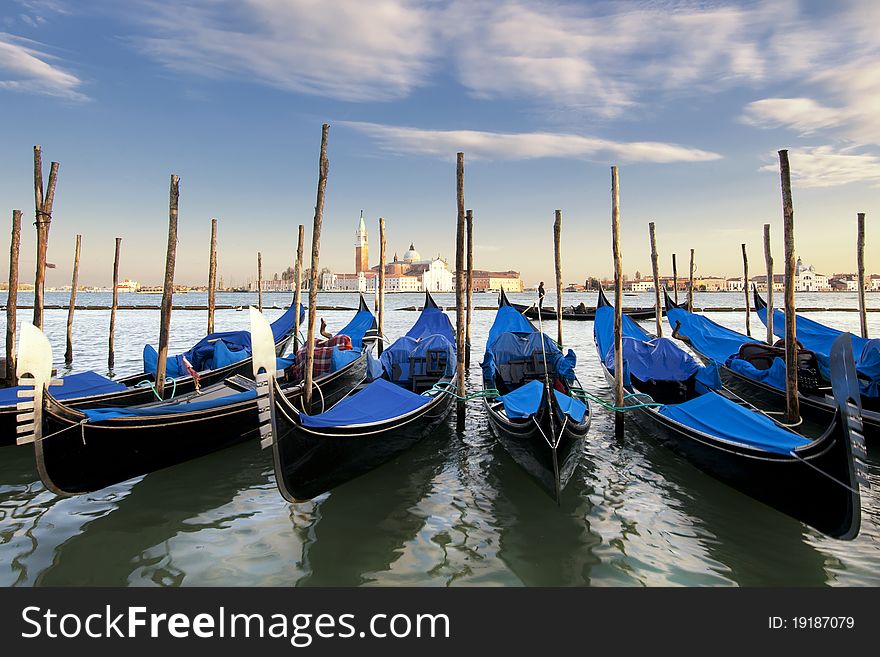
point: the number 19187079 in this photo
(811, 623)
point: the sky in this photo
(691, 100)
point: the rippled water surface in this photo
(455, 510)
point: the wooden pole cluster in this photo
(168, 287)
(323, 170)
(469, 225)
(768, 261)
(655, 269)
(691, 285)
(557, 262)
(43, 203)
(618, 302)
(792, 409)
(860, 257)
(675, 278)
(259, 281)
(12, 297)
(381, 285)
(212, 276)
(111, 357)
(71, 306)
(460, 286)
(297, 282)
(746, 290)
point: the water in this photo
(453, 511)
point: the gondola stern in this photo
(760, 304)
(602, 301)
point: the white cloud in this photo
(523, 146)
(803, 114)
(348, 49)
(26, 69)
(824, 166)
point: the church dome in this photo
(411, 255)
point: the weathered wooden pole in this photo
(792, 409)
(323, 169)
(768, 261)
(297, 282)
(746, 290)
(460, 287)
(675, 278)
(557, 264)
(111, 357)
(469, 226)
(71, 306)
(618, 303)
(212, 276)
(168, 288)
(43, 214)
(691, 285)
(381, 285)
(655, 269)
(259, 281)
(860, 256)
(12, 297)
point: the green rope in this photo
(583, 394)
(149, 384)
(444, 387)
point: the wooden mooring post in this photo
(469, 226)
(618, 303)
(259, 281)
(168, 287)
(381, 287)
(323, 170)
(655, 270)
(792, 407)
(71, 306)
(43, 202)
(746, 290)
(212, 276)
(297, 282)
(111, 357)
(691, 285)
(768, 262)
(557, 266)
(860, 263)
(460, 287)
(675, 278)
(12, 297)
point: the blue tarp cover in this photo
(170, 408)
(524, 401)
(714, 415)
(339, 358)
(818, 338)
(405, 348)
(603, 330)
(508, 320)
(722, 345)
(378, 401)
(573, 408)
(432, 321)
(398, 353)
(362, 322)
(659, 359)
(509, 347)
(75, 385)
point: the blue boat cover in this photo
(339, 358)
(404, 349)
(603, 330)
(818, 338)
(398, 353)
(374, 367)
(717, 416)
(357, 328)
(432, 321)
(573, 408)
(524, 401)
(377, 402)
(508, 320)
(75, 385)
(509, 347)
(722, 345)
(170, 408)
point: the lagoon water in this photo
(454, 511)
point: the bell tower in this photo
(361, 249)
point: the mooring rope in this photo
(146, 383)
(583, 394)
(443, 387)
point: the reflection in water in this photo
(453, 511)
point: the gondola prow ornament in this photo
(263, 350)
(34, 372)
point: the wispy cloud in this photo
(825, 166)
(24, 68)
(802, 114)
(349, 50)
(523, 146)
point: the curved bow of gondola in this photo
(503, 300)
(602, 301)
(760, 304)
(429, 301)
(668, 303)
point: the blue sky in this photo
(691, 99)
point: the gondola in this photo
(215, 357)
(572, 313)
(527, 387)
(756, 370)
(82, 450)
(400, 405)
(682, 402)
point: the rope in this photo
(443, 387)
(822, 472)
(583, 394)
(146, 383)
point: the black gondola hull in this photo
(95, 455)
(549, 314)
(311, 462)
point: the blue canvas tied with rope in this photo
(378, 401)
